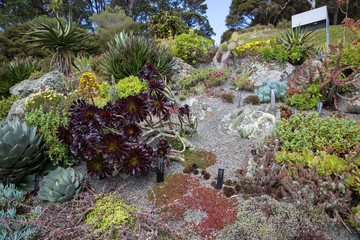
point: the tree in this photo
(244, 13)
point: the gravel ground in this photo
(228, 149)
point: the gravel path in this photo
(228, 149)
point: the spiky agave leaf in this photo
(133, 108)
(159, 106)
(99, 168)
(138, 161)
(132, 132)
(114, 147)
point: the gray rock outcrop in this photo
(51, 81)
(17, 109)
(253, 121)
(351, 106)
(181, 69)
(198, 108)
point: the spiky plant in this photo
(59, 41)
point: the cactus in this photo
(223, 47)
(20, 149)
(71, 85)
(113, 94)
(60, 185)
(232, 46)
(235, 36)
(243, 133)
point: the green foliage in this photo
(191, 47)
(60, 185)
(307, 101)
(47, 124)
(5, 105)
(110, 211)
(127, 86)
(299, 44)
(202, 159)
(351, 57)
(128, 54)
(227, 97)
(332, 135)
(21, 149)
(354, 219)
(244, 133)
(16, 71)
(274, 51)
(264, 93)
(11, 192)
(261, 217)
(165, 24)
(243, 82)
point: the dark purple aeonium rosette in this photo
(138, 161)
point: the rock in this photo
(17, 109)
(181, 69)
(52, 81)
(198, 108)
(256, 120)
(269, 71)
(350, 106)
(220, 59)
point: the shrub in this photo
(47, 124)
(261, 217)
(227, 97)
(264, 93)
(16, 71)
(128, 54)
(252, 99)
(88, 87)
(5, 105)
(113, 212)
(165, 24)
(191, 47)
(307, 101)
(332, 135)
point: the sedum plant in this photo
(20, 148)
(120, 134)
(60, 185)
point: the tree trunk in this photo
(131, 7)
(336, 14)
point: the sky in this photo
(216, 13)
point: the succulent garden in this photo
(121, 121)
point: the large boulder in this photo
(256, 120)
(181, 69)
(199, 108)
(350, 106)
(51, 81)
(269, 71)
(17, 109)
(220, 59)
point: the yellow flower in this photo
(191, 30)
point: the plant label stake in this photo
(234, 61)
(238, 100)
(253, 152)
(319, 108)
(294, 111)
(160, 169)
(213, 93)
(220, 179)
(272, 97)
(37, 184)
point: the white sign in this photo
(314, 19)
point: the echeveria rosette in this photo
(155, 87)
(114, 148)
(133, 108)
(148, 72)
(159, 106)
(132, 132)
(138, 161)
(184, 110)
(99, 168)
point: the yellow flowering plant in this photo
(88, 87)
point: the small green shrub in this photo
(332, 135)
(354, 219)
(252, 99)
(243, 82)
(191, 47)
(126, 86)
(47, 124)
(111, 212)
(307, 101)
(264, 93)
(5, 105)
(227, 97)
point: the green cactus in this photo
(20, 149)
(243, 133)
(223, 47)
(235, 36)
(60, 185)
(71, 85)
(113, 94)
(232, 46)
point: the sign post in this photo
(220, 179)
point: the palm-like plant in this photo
(297, 40)
(60, 41)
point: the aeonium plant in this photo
(122, 134)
